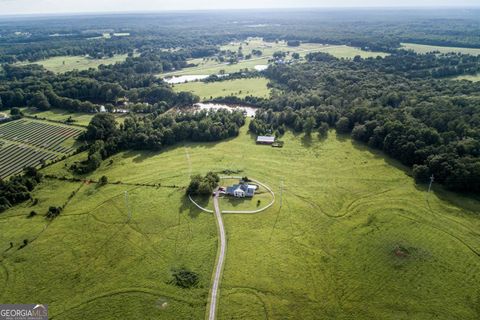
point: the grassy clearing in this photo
(268, 48)
(60, 115)
(68, 63)
(421, 48)
(473, 78)
(354, 239)
(212, 66)
(241, 88)
(80, 118)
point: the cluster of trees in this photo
(307, 120)
(18, 188)
(431, 125)
(184, 278)
(153, 132)
(203, 185)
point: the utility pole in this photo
(128, 207)
(431, 181)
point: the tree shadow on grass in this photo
(468, 202)
(193, 211)
(342, 137)
(306, 141)
(235, 202)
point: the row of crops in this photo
(14, 157)
(25, 143)
(39, 134)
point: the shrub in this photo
(53, 212)
(184, 278)
(103, 181)
(31, 214)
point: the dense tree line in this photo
(18, 188)
(430, 125)
(154, 132)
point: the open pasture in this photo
(421, 48)
(29, 143)
(240, 88)
(269, 48)
(63, 64)
(79, 118)
(211, 65)
(342, 242)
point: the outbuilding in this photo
(265, 140)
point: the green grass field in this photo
(353, 239)
(420, 48)
(60, 115)
(268, 48)
(241, 88)
(68, 63)
(211, 66)
(80, 118)
(473, 78)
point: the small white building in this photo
(265, 140)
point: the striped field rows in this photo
(25, 143)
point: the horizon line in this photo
(120, 12)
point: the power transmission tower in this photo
(128, 206)
(431, 181)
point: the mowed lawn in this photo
(68, 63)
(240, 87)
(354, 238)
(421, 48)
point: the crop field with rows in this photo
(26, 143)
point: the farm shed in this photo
(265, 140)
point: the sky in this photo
(8, 7)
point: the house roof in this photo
(248, 189)
(265, 139)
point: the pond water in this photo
(186, 78)
(261, 67)
(215, 106)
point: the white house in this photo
(241, 190)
